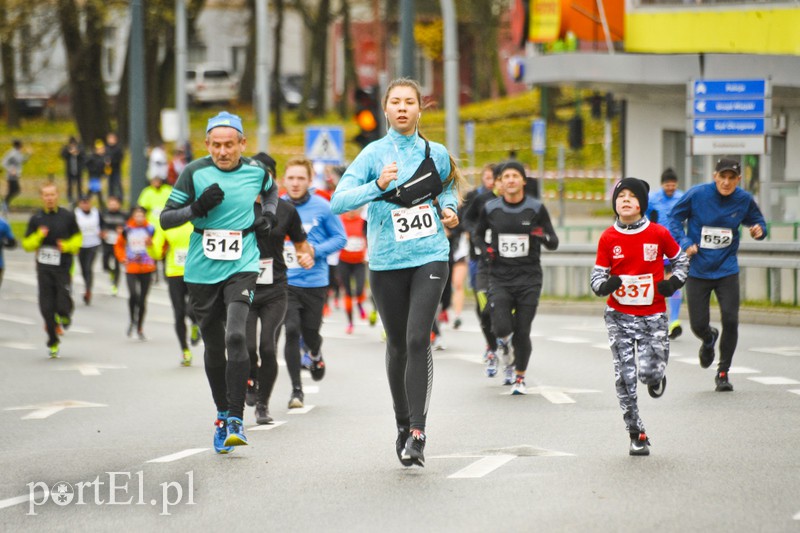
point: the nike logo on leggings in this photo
(435, 277)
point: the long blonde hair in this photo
(455, 177)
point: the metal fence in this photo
(768, 271)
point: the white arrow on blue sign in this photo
(736, 107)
(729, 126)
(731, 88)
(538, 136)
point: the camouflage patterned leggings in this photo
(627, 336)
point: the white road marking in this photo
(301, 411)
(775, 380)
(87, 369)
(687, 360)
(743, 370)
(796, 517)
(795, 391)
(311, 389)
(568, 340)
(482, 466)
(177, 456)
(602, 346)
(17, 320)
(557, 395)
(788, 351)
(42, 411)
(267, 427)
(18, 345)
(10, 502)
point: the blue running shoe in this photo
(236, 435)
(305, 355)
(491, 364)
(221, 433)
(508, 375)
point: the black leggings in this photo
(349, 273)
(54, 298)
(269, 307)
(303, 317)
(513, 310)
(13, 192)
(407, 300)
(110, 263)
(181, 307)
(138, 287)
(86, 257)
(698, 300)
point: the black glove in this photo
(264, 224)
(667, 287)
(210, 199)
(610, 285)
(267, 161)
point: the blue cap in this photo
(225, 119)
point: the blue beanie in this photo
(225, 119)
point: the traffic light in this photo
(575, 133)
(611, 106)
(367, 109)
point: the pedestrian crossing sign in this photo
(325, 144)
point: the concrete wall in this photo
(643, 143)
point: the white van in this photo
(211, 83)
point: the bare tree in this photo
(7, 62)
(350, 77)
(280, 127)
(317, 22)
(82, 26)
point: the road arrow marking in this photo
(43, 411)
(10, 502)
(18, 345)
(795, 391)
(482, 466)
(87, 369)
(796, 517)
(558, 395)
(569, 340)
(177, 456)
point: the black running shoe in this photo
(415, 446)
(675, 332)
(250, 393)
(707, 350)
(657, 390)
(723, 385)
(317, 368)
(262, 414)
(400, 444)
(296, 400)
(639, 444)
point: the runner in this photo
(713, 213)
(112, 221)
(408, 250)
(172, 246)
(660, 207)
(90, 224)
(54, 235)
(134, 248)
(308, 289)
(352, 272)
(216, 193)
(7, 240)
(269, 304)
(519, 226)
(153, 198)
(629, 270)
(479, 266)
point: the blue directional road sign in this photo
(538, 136)
(729, 126)
(325, 144)
(730, 88)
(704, 107)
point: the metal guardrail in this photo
(768, 270)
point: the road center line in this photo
(481, 467)
(301, 411)
(267, 427)
(775, 380)
(177, 456)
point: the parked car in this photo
(32, 100)
(207, 84)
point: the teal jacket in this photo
(358, 187)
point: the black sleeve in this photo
(33, 225)
(480, 230)
(269, 201)
(550, 237)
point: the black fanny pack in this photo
(423, 185)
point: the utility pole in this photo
(181, 65)
(451, 79)
(407, 45)
(137, 109)
(262, 76)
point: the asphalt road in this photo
(127, 432)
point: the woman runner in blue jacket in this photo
(408, 253)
